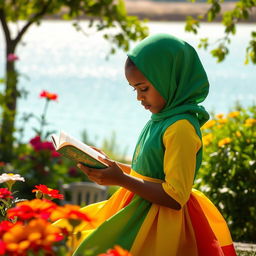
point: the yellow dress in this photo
(144, 228)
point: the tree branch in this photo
(31, 21)
(5, 26)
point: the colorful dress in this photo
(149, 229)
(169, 152)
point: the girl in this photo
(156, 212)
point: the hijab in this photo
(173, 67)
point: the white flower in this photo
(5, 177)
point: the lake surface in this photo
(93, 92)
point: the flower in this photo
(222, 120)
(207, 139)
(224, 141)
(39, 145)
(5, 193)
(35, 208)
(48, 95)
(36, 235)
(234, 114)
(238, 134)
(12, 57)
(219, 116)
(48, 192)
(10, 179)
(70, 212)
(208, 124)
(250, 122)
(117, 251)
(4, 227)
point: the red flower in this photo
(5, 193)
(4, 227)
(2, 247)
(55, 154)
(47, 145)
(48, 95)
(53, 193)
(117, 251)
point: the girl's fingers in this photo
(108, 161)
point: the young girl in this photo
(156, 212)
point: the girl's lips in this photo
(147, 106)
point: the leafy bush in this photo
(228, 172)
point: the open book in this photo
(77, 151)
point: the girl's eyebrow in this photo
(137, 84)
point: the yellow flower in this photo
(208, 124)
(250, 122)
(234, 114)
(207, 139)
(223, 120)
(219, 116)
(223, 142)
(238, 134)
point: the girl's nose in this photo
(139, 96)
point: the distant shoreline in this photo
(168, 11)
(174, 11)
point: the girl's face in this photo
(149, 97)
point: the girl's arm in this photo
(114, 175)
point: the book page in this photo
(65, 138)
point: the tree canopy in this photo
(104, 15)
(243, 10)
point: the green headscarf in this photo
(173, 67)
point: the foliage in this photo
(107, 16)
(228, 173)
(242, 11)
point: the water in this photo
(93, 92)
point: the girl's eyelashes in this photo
(140, 89)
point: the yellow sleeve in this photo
(181, 145)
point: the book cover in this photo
(77, 151)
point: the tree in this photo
(103, 14)
(242, 11)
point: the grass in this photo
(246, 253)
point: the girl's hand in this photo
(112, 175)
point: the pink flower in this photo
(12, 57)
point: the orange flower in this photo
(36, 208)
(219, 116)
(48, 95)
(37, 235)
(223, 142)
(43, 190)
(234, 114)
(70, 212)
(117, 251)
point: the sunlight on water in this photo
(93, 92)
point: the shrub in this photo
(228, 172)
